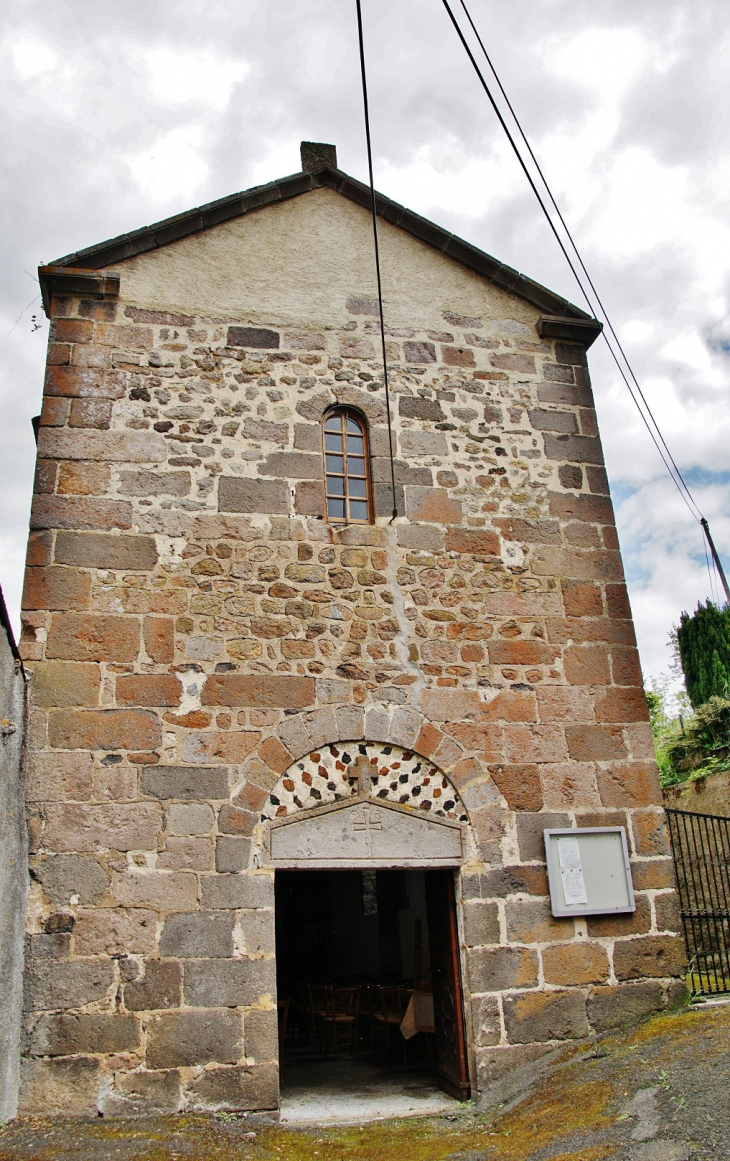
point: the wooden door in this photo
(448, 1006)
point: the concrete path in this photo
(660, 1094)
(352, 1091)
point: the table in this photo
(419, 1015)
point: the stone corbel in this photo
(75, 280)
(570, 330)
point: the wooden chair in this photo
(342, 1017)
(319, 1003)
(393, 1003)
(369, 1009)
(301, 1012)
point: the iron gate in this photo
(701, 849)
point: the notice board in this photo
(589, 871)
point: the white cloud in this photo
(32, 57)
(113, 115)
(444, 179)
(172, 168)
(204, 77)
(607, 61)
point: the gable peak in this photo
(316, 155)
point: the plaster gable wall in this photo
(296, 263)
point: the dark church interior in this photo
(352, 946)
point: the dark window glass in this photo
(347, 476)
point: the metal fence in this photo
(701, 849)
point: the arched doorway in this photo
(366, 841)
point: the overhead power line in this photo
(679, 478)
(373, 208)
(597, 309)
(617, 352)
(716, 559)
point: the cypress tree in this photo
(704, 650)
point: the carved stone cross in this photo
(368, 824)
(361, 771)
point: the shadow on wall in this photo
(13, 862)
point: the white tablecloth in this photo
(419, 1015)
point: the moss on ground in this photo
(574, 1113)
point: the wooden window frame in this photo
(345, 413)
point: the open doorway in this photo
(370, 1005)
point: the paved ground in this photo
(325, 1092)
(660, 1094)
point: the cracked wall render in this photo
(13, 872)
(194, 627)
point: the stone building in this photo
(13, 859)
(233, 677)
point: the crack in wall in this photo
(403, 636)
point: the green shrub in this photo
(703, 744)
(704, 651)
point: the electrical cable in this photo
(709, 573)
(377, 251)
(564, 224)
(717, 583)
(711, 570)
(650, 423)
(666, 457)
(716, 559)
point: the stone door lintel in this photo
(363, 833)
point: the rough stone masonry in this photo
(194, 627)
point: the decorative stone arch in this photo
(405, 726)
(305, 733)
(369, 770)
(390, 793)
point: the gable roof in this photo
(561, 318)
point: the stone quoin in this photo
(199, 637)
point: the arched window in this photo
(347, 468)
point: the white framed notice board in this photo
(589, 871)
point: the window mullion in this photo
(349, 490)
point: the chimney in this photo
(315, 155)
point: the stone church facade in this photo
(214, 660)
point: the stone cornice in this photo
(63, 278)
(572, 330)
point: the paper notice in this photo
(571, 871)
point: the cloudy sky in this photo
(118, 114)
